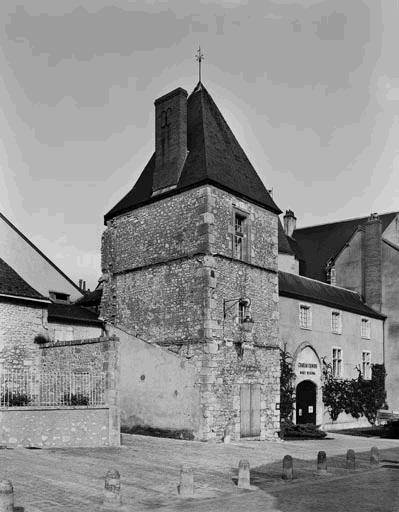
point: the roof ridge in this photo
(324, 284)
(344, 220)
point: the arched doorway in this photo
(306, 402)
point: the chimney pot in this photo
(289, 223)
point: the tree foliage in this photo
(287, 388)
(358, 397)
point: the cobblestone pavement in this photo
(72, 480)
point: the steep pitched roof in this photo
(214, 157)
(91, 299)
(303, 288)
(317, 244)
(12, 283)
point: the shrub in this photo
(303, 431)
(15, 399)
(76, 399)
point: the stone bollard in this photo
(6, 496)
(374, 456)
(350, 459)
(185, 488)
(112, 489)
(288, 468)
(322, 462)
(244, 475)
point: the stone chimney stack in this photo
(170, 139)
(289, 222)
(372, 259)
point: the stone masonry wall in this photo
(168, 269)
(163, 303)
(69, 331)
(94, 355)
(20, 322)
(55, 428)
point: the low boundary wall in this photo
(57, 427)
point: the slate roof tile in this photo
(302, 288)
(12, 283)
(214, 157)
(317, 244)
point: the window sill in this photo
(366, 337)
(337, 332)
(305, 328)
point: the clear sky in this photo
(309, 87)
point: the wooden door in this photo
(250, 410)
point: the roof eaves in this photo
(176, 191)
(367, 311)
(23, 297)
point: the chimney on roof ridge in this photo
(170, 139)
(289, 222)
(372, 262)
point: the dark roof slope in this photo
(214, 157)
(91, 299)
(317, 244)
(72, 313)
(12, 283)
(302, 288)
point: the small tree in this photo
(287, 389)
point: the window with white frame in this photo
(365, 328)
(336, 322)
(337, 362)
(305, 316)
(366, 364)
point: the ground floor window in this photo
(337, 362)
(366, 364)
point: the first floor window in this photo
(336, 324)
(365, 328)
(305, 316)
(337, 362)
(366, 364)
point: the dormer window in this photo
(59, 297)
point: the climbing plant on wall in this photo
(358, 397)
(287, 388)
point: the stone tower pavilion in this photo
(189, 261)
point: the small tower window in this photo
(239, 236)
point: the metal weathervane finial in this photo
(199, 57)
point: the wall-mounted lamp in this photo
(242, 301)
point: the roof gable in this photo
(214, 157)
(318, 244)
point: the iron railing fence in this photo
(22, 388)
